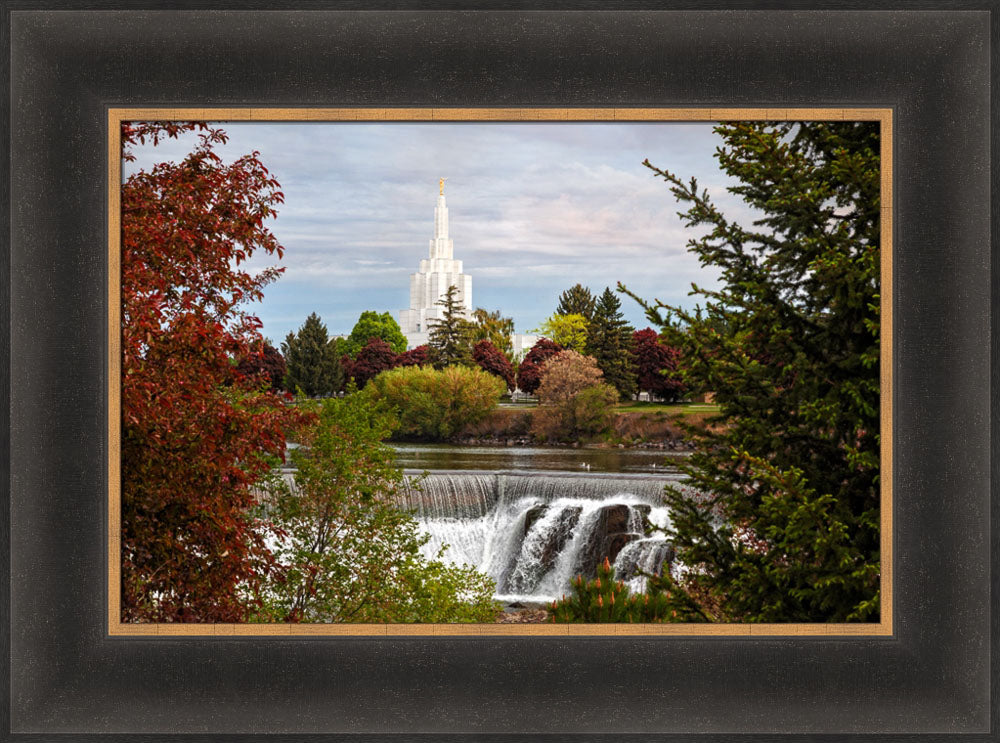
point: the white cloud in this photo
(534, 208)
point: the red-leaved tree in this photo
(414, 357)
(489, 358)
(656, 365)
(266, 363)
(196, 438)
(529, 374)
(375, 357)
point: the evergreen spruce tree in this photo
(609, 341)
(781, 520)
(312, 360)
(450, 341)
(577, 300)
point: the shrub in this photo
(586, 415)
(434, 404)
(501, 423)
(606, 600)
(348, 553)
(575, 403)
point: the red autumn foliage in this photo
(656, 364)
(491, 359)
(266, 363)
(375, 357)
(529, 374)
(414, 357)
(196, 437)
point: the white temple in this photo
(435, 275)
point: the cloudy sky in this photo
(534, 208)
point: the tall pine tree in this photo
(312, 360)
(782, 519)
(609, 340)
(577, 300)
(450, 341)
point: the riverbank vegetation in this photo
(345, 551)
(434, 404)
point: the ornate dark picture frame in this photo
(68, 673)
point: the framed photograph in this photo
(555, 463)
(535, 479)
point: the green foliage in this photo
(436, 404)
(492, 327)
(591, 411)
(349, 553)
(373, 325)
(312, 360)
(606, 600)
(610, 342)
(450, 341)
(789, 344)
(577, 300)
(569, 331)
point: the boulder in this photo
(612, 531)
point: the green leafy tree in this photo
(610, 343)
(373, 325)
(569, 331)
(349, 553)
(436, 404)
(450, 341)
(312, 360)
(577, 300)
(493, 327)
(782, 524)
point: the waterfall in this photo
(532, 533)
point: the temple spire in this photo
(441, 246)
(435, 274)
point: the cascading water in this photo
(532, 533)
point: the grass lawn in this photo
(672, 408)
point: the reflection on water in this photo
(445, 457)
